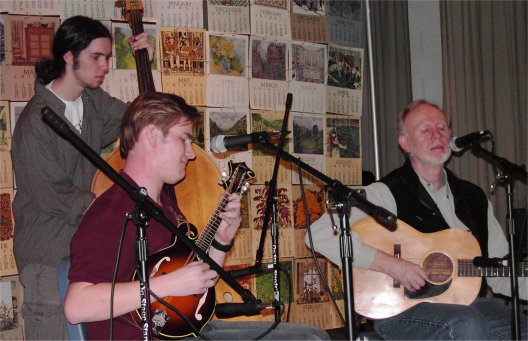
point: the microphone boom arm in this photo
(501, 163)
(342, 191)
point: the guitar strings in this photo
(145, 78)
(206, 238)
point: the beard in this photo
(431, 159)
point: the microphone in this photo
(385, 217)
(251, 270)
(221, 143)
(457, 144)
(226, 310)
(55, 121)
(489, 262)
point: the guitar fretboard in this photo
(208, 234)
(236, 185)
(467, 269)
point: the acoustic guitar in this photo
(198, 309)
(446, 255)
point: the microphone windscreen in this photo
(217, 144)
(453, 145)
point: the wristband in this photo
(222, 247)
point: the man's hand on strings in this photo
(142, 41)
(230, 220)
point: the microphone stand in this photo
(271, 210)
(145, 209)
(509, 172)
(141, 219)
(272, 199)
(345, 198)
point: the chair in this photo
(75, 331)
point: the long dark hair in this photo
(74, 34)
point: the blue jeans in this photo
(484, 319)
(226, 330)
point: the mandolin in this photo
(198, 309)
(446, 255)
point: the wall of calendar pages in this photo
(235, 60)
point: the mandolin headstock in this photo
(237, 180)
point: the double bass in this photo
(202, 175)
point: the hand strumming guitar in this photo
(410, 275)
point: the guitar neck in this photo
(467, 269)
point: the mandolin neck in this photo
(467, 269)
(209, 232)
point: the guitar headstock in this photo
(237, 180)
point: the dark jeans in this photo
(484, 319)
(224, 330)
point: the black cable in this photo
(114, 277)
(290, 292)
(266, 332)
(314, 257)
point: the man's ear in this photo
(404, 143)
(152, 134)
(68, 58)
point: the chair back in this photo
(75, 331)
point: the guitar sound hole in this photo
(439, 267)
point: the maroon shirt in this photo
(94, 250)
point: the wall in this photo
(426, 50)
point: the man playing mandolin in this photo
(156, 136)
(428, 197)
(53, 178)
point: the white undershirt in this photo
(74, 109)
